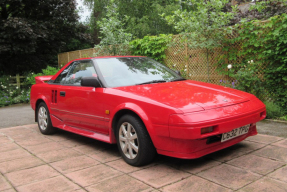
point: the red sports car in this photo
(144, 107)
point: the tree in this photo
(114, 38)
(33, 32)
(143, 16)
(204, 26)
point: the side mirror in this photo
(90, 82)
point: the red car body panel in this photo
(173, 113)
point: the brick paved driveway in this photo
(30, 161)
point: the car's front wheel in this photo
(44, 121)
(134, 142)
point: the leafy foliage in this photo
(143, 17)
(48, 71)
(114, 39)
(247, 79)
(151, 46)
(266, 44)
(199, 27)
(273, 110)
(33, 32)
(10, 94)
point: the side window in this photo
(80, 69)
(61, 78)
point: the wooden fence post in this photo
(68, 56)
(18, 80)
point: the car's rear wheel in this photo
(44, 121)
(134, 142)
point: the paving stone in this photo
(30, 175)
(8, 147)
(197, 165)
(229, 176)
(74, 142)
(9, 190)
(235, 151)
(267, 139)
(4, 139)
(32, 126)
(121, 183)
(34, 141)
(159, 175)
(195, 183)
(106, 156)
(273, 152)
(93, 148)
(266, 184)
(4, 185)
(41, 148)
(122, 166)
(74, 164)
(58, 137)
(26, 136)
(55, 184)
(256, 164)
(93, 175)
(280, 174)
(14, 154)
(12, 131)
(52, 156)
(282, 143)
(18, 164)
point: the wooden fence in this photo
(191, 62)
(17, 80)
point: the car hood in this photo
(189, 96)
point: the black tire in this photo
(43, 116)
(145, 148)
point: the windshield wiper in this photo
(153, 81)
(178, 79)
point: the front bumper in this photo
(185, 139)
(191, 149)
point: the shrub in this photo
(273, 110)
(10, 94)
(48, 71)
(151, 46)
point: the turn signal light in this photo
(207, 130)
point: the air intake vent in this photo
(54, 96)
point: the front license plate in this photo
(235, 133)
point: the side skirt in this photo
(87, 133)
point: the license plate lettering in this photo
(235, 133)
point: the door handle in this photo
(62, 93)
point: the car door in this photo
(81, 107)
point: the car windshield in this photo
(126, 71)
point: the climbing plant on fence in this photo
(264, 43)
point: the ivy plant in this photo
(266, 44)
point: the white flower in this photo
(174, 65)
(248, 61)
(229, 66)
(185, 65)
(251, 61)
(185, 70)
(16, 87)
